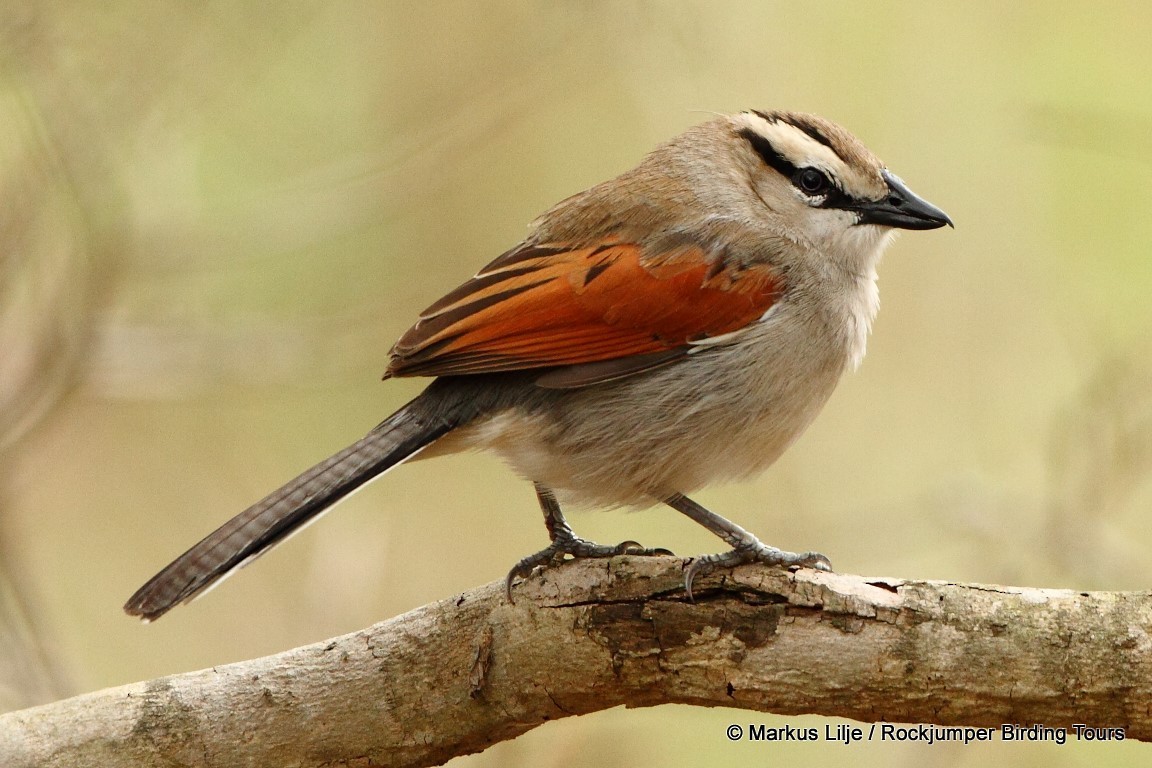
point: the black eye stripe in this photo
(768, 153)
(833, 196)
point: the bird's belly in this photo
(722, 414)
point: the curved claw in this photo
(577, 548)
(753, 553)
(636, 548)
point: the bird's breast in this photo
(724, 412)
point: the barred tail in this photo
(272, 519)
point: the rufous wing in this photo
(586, 315)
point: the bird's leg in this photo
(566, 542)
(746, 548)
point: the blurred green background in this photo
(215, 218)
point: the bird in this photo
(676, 326)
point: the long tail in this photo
(272, 519)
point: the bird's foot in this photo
(752, 552)
(570, 545)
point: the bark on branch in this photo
(456, 676)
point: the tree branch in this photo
(456, 676)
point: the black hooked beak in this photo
(900, 208)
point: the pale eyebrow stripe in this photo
(795, 145)
(812, 131)
(799, 148)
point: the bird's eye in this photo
(811, 182)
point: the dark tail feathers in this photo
(272, 519)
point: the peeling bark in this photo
(456, 676)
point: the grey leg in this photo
(746, 548)
(566, 542)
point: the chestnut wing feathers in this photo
(586, 315)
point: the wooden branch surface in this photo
(456, 676)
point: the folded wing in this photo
(586, 314)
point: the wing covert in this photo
(550, 306)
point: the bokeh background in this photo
(215, 218)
